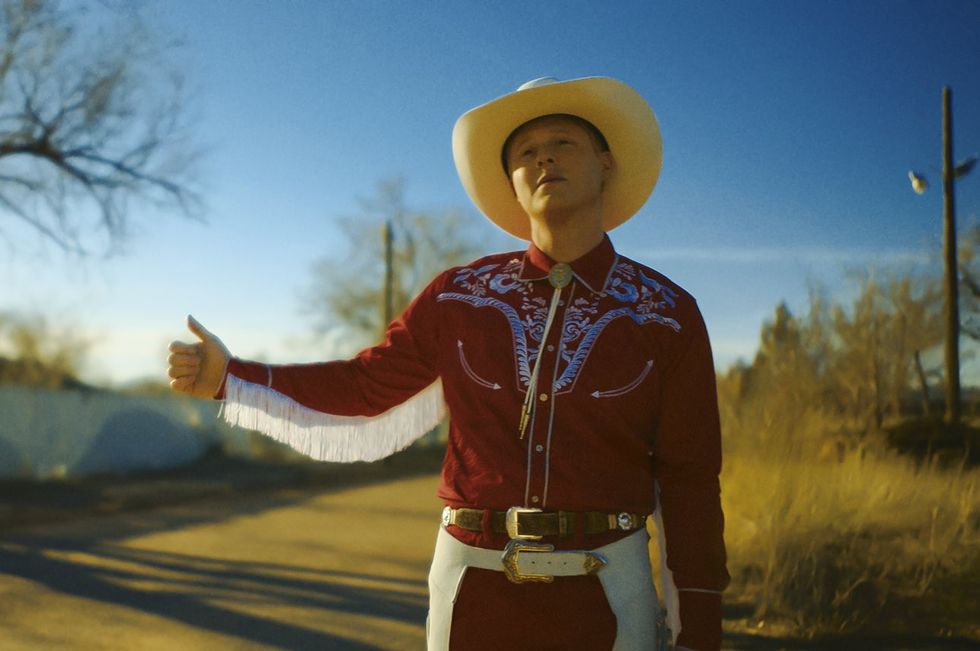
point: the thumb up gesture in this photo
(198, 368)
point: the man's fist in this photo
(198, 368)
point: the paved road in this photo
(342, 570)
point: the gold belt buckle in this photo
(513, 525)
(511, 553)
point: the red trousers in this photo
(493, 614)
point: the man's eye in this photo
(527, 152)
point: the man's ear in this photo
(608, 165)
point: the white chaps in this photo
(626, 580)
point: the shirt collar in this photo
(592, 269)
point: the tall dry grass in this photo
(854, 539)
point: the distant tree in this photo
(916, 307)
(858, 363)
(347, 294)
(769, 404)
(784, 356)
(879, 342)
(837, 371)
(91, 119)
(969, 269)
(34, 353)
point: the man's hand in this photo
(198, 368)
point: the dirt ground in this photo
(245, 555)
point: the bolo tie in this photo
(559, 277)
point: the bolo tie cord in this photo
(559, 277)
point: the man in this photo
(579, 384)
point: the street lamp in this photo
(919, 183)
(951, 278)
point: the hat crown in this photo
(536, 83)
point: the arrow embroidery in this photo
(469, 371)
(627, 388)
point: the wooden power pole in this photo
(951, 286)
(388, 300)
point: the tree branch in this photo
(93, 114)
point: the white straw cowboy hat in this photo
(619, 112)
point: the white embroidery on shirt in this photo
(644, 301)
(627, 387)
(470, 372)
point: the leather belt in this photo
(534, 524)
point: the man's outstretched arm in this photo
(360, 409)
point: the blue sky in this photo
(789, 128)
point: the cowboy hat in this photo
(617, 111)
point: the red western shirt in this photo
(625, 402)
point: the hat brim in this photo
(619, 112)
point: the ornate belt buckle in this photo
(513, 551)
(513, 524)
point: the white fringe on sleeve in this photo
(327, 437)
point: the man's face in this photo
(557, 169)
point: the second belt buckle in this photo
(512, 553)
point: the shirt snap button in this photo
(535, 499)
(539, 448)
(543, 397)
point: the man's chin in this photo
(554, 214)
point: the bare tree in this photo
(916, 314)
(969, 271)
(838, 371)
(90, 120)
(348, 294)
(879, 343)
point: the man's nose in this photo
(545, 155)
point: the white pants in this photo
(626, 580)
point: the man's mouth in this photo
(550, 179)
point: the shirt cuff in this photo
(700, 619)
(254, 372)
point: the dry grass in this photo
(847, 544)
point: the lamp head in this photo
(919, 183)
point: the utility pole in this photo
(951, 286)
(388, 300)
(951, 173)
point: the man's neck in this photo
(567, 242)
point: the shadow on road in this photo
(73, 539)
(220, 596)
